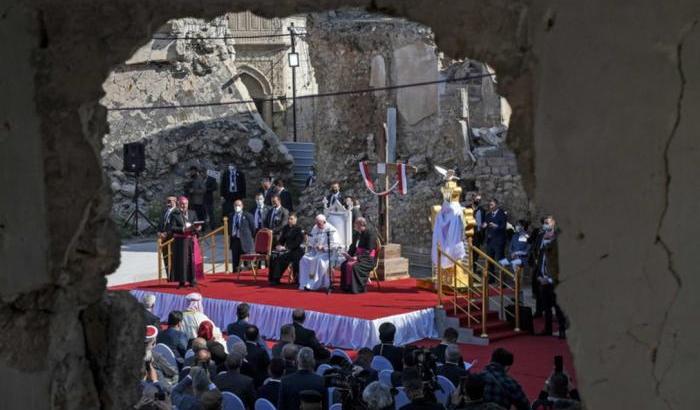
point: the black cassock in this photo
(291, 237)
(184, 267)
(354, 274)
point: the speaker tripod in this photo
(134, 215)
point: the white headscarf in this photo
(194, 302)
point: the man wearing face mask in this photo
(241, 229)
(335, 195)
(259, 212)
(547, 276)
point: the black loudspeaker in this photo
(134, 157)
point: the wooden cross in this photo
(386, 146)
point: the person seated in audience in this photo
(386, 348)
(234, 382)
(246, 367)
(363, 365)
(153, 395)
(257, 356)
(557, 395)
(287, 335)
(211, 400)
(306, 337)
(519, 247)
(186, 395)
(196, 344)
(303, 379)
(166, 373)
(409, 363)
(239, 327)
(470, 395)
(194, 315)
(415, 390)
(149, 318)
(289, 354)
(173, 337)
(499, 387)
(201, 358)
(453, 368)
(377, 396)
(217, 349)
(287, 251)
(449, 337)
(310, 400)
(270, 389)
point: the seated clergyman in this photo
(313, 267)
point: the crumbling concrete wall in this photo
(612, 88)
(185, 66)
(353, 50)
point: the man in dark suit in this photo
(232, 187)
(270, 390)
(276, 218)
(241, 230)
(303, 379)
(259, 212)
(173, 337)
(286, 337)
(287, 250)
(257, 356)
(386, 348)
(335, 195)
(285, 196)
(449, 337)
(267, 190)
(290, 351)
(234, 382)
(303, 336)
(495, 225)
(163, 224)
(453, 368)
(239, 327)
(149, 318)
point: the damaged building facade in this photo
(454, 124)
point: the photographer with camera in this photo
(453, 368)
(556, 393)
(421, 394)
(499, 387)
(469, 395)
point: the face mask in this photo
(547, 227)
(260, 202)
(238, 208)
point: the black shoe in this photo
(179, 285)
(537, 315)
(545, 333)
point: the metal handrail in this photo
(455, 289)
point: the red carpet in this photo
(395, 297)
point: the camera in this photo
(349, 382)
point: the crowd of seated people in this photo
(298, 372)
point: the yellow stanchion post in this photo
(517, 299)
(226, 239)
(160, 258)
(484, 297)
(439, 275)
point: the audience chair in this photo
(231, 340)
(385, 377)
(337, 406)
(167, 354)
(231, 402)
(445, 392)
(263, 249)
(401, 399)
(264, 404)
(322, 368)
(189, 353)
(380, 363)
(373, 275)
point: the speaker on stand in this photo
(135, 162)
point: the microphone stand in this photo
(330, 268)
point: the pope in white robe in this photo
(448, 233)
(313, 267)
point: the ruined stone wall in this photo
(195, 70)
(356, 50)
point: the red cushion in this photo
(263, 240)
(252, 256)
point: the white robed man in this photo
(448, 233)
(313, 267)
(194, 315)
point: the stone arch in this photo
(259, 87)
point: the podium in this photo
(391, 265)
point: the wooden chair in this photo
(373, 276)
(263, 249)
